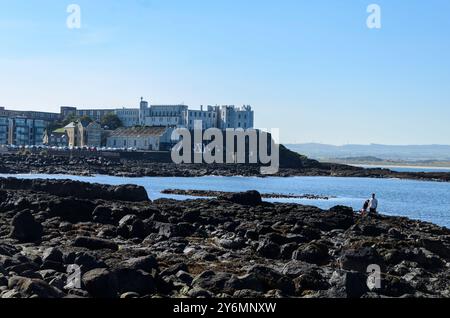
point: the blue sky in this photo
(311, 68)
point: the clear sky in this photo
(311, 68)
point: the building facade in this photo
(57, 138)
(25, 131)
(4, 128)
(84, 134)
(141, 138)
(179, 116)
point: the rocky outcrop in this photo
(81, 190)
(233, 246)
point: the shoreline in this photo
(16, 164)
(234, 246)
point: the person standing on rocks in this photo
(373, 204)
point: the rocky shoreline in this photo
(219, 194)
(299, 166)
(126, 246)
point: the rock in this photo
(184, 277)
(87, 262)
(102, 215)
(8, 250)
(348, 285)
(271, 279)
(128, 220)
(169, 230)
(129, 295)
(71, 209)
(191, 216)
(211, 281)
(245, 282)
(310, 280)
(197, 292)
(251, 235)
(52, 255)
(345, 210)
(93, 243)
(232, 243)
(29, 287)
(145, 263)
(247, 293)
(25, 228)
(359, 260)
(437, 247)
(84, 190)
(250, 198)
(268, 249)
(172, 270)
(315, 253)
(138, 281)
(101, 283)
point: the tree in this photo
(112, 121)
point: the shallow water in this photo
(422, 200)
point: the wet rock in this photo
(25, 228)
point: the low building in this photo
(57, 138)
(141, 138)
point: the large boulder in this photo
(82, 190)
(28, 287)
(137, 281)
(101, 283)
(25, 228)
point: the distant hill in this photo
(383, 152)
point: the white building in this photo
(232, 117)
(141, 138)
(180, 116)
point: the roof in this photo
(59, 131)
(71, 125)
(139, 132)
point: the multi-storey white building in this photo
(180, 116)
